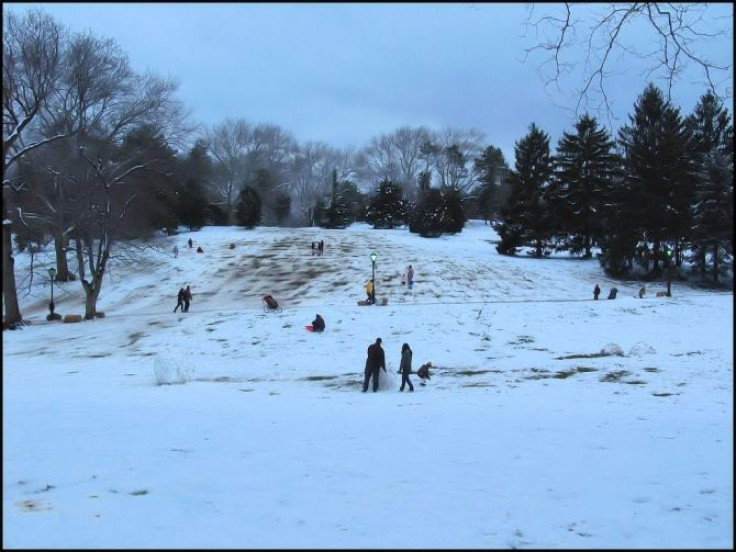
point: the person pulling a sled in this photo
(423, 373)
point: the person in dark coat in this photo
(596, 292)
(180, 300)
(321, 247)
(318, 324)
(376, 361)
(187, 298)
(423, 373)
(190, 242)
(405, 367)
(612, 293)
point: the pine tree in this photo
(658, 174)
(491, 170)
(282, 208)
(712, 145)
(526, 219)
(388, 208)
(586, 167)
(428, 215)
(335, 211)
(453, 218)
(248, 207)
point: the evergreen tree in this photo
(335, 211)
(711, 132)
(195, 170)
(658, 174)
(156, 203)
(453, 218)
(491, 170)
(248, 207)
(283, 207)
(427, 218)
(586, 167)
(192, 209)
(526, 219)
(388, 208)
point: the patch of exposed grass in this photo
(318, 378)
(589, 355)
(654, 370)
(522, 339)
(471, 372)
(614, 376)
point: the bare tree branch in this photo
(606, 37)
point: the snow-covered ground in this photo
(551, 420)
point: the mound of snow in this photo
(612, 350)
(169, 370)
(641, 349)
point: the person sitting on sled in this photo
(318, 324)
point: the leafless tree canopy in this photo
(599, 39)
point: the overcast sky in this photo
(344, 73)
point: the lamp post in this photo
(52, 275)
(373, 277)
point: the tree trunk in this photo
(92, 292)
(10, 294)
(62, 267)
(715, 261)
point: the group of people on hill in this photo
(183, 298)
(597, 292)
(407, 279)
(376, 361)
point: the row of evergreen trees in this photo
(665, 186)
(660, 195)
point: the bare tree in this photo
(451, 155)
(31, 51)
(408, 146)
(378, 161)
(241, 149)
(103, 100)
(311, 174)
(669, 38)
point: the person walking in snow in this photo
(190, 242)
(410, 276)
(187, 298)
(376, 361)
(596, 292)
(321, 247)
(405, 367)
(180, 300)
(176, 251)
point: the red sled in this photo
(309, 328)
